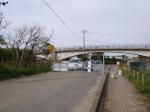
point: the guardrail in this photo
(117, 46)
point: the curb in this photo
(98, 99)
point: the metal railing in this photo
(115, 46)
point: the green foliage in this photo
(9, 68)
(97, 57)
(83, 57)
(7, 55)
(7, 72)
(112, 60)
(145, 89)
(108, 60)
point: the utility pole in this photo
(53, 54)
(84, 32)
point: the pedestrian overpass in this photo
(136, 49)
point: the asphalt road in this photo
(53, 92)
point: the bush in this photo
(7, 72)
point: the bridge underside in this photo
(65, 55)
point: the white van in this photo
(75, 64)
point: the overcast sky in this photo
(107, 21)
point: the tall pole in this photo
(84, 32)
(53, 54)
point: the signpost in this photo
(51, 49)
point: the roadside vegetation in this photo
(19, 50)
(8, 72)
(141, 80)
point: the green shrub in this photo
(7, 72)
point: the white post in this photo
(120, 72)
(89, 66)
(89, 63)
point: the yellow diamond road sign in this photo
(51, 48)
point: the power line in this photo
(61, 20)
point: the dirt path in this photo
(122, 96)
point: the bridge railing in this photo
(117, 46)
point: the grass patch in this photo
(145, 89)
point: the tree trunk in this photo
(21, 58)
(17, 57)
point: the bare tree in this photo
(28, 40)
(3, 25)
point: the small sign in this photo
(51, 48)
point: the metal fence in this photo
(59, 67)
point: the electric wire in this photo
(60, 19)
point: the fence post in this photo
(133, 73)
(142, 79)
(130, 72)
(137, 76)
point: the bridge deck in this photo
(136, 47)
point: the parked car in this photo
(75, 64)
